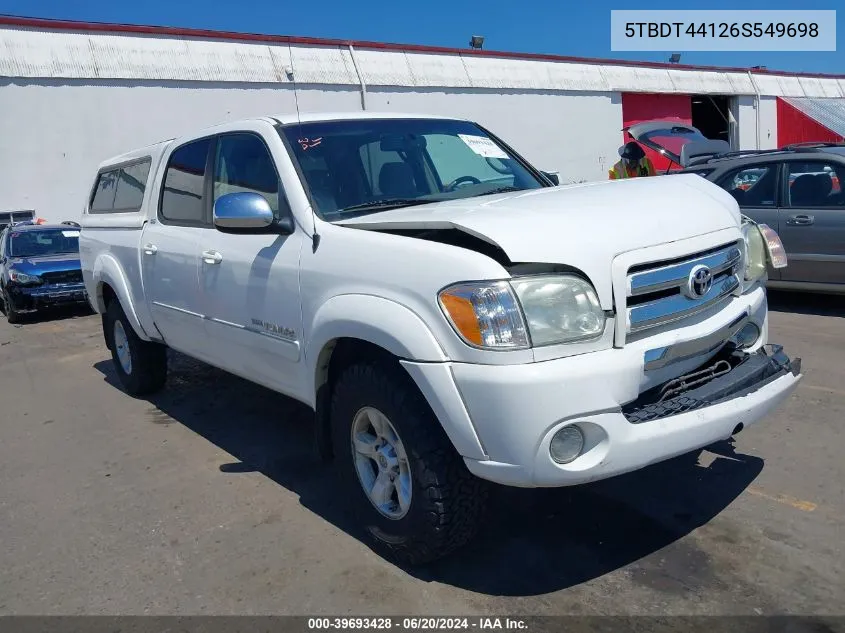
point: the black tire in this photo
(12, 315)
(148, 370)
(447, 501)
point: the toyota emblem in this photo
(700, 281)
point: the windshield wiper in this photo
(502, 190)
(387, 202)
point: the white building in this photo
(72, 94)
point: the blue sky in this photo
(563, 27)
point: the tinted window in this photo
(43, 242)
(815, 184)
(131, 184)
(243, 164)
(182, 200)
(103, 199)
(752, 186)
(364, 166)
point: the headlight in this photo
(556, 309)
(559, 308)
(763, 247)
(23, 278)
(485, 314)
(755, 252)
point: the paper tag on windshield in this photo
(483, 146)
(70, 233)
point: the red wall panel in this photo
(637, 107)
(796, 127)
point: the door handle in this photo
(800, 220)
(150, 249)
(211, 257)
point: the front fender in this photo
(399, 330)
(379, 321)
(107, 270)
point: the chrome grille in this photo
(664, 292)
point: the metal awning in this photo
(827, 112)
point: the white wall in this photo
(53, 134)
(575, 133)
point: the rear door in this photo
(755, 188)
(812, 221)
(170, 249)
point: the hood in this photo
(45, 263)
(584, 226)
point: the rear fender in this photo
(107, 271)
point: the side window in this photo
(752, 186)
(103, 199)
(121, 190)
(131, 184)
(243, 164)
(455, 159)
(182, 199)
(814, 184)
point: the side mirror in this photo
(553, 176)
(242, 211)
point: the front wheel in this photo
(12, 315)
(141, 366)
(405, 482)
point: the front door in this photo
(170, 251)
(250, 282)
(812, 222)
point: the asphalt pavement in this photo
(208, 499)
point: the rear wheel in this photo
(141, 366)
(405, 482)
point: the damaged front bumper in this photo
(33, 298)
(510, 409)
(731, 374)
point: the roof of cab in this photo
(152, 150)
(312, 117)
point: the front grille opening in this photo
(638, 268)
(63, 277)
(652, 296)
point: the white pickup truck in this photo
(450, 314)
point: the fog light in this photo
(566, 444)
(747, 336)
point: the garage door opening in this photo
(711, 115)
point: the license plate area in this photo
(732, 373)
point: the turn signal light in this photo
(777, 253)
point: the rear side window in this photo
(183, 197)
(121, 190)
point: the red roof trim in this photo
(103, 27)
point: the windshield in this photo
(43, 242)
(671, 139)
(363, 166)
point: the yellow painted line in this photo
(798, 504)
